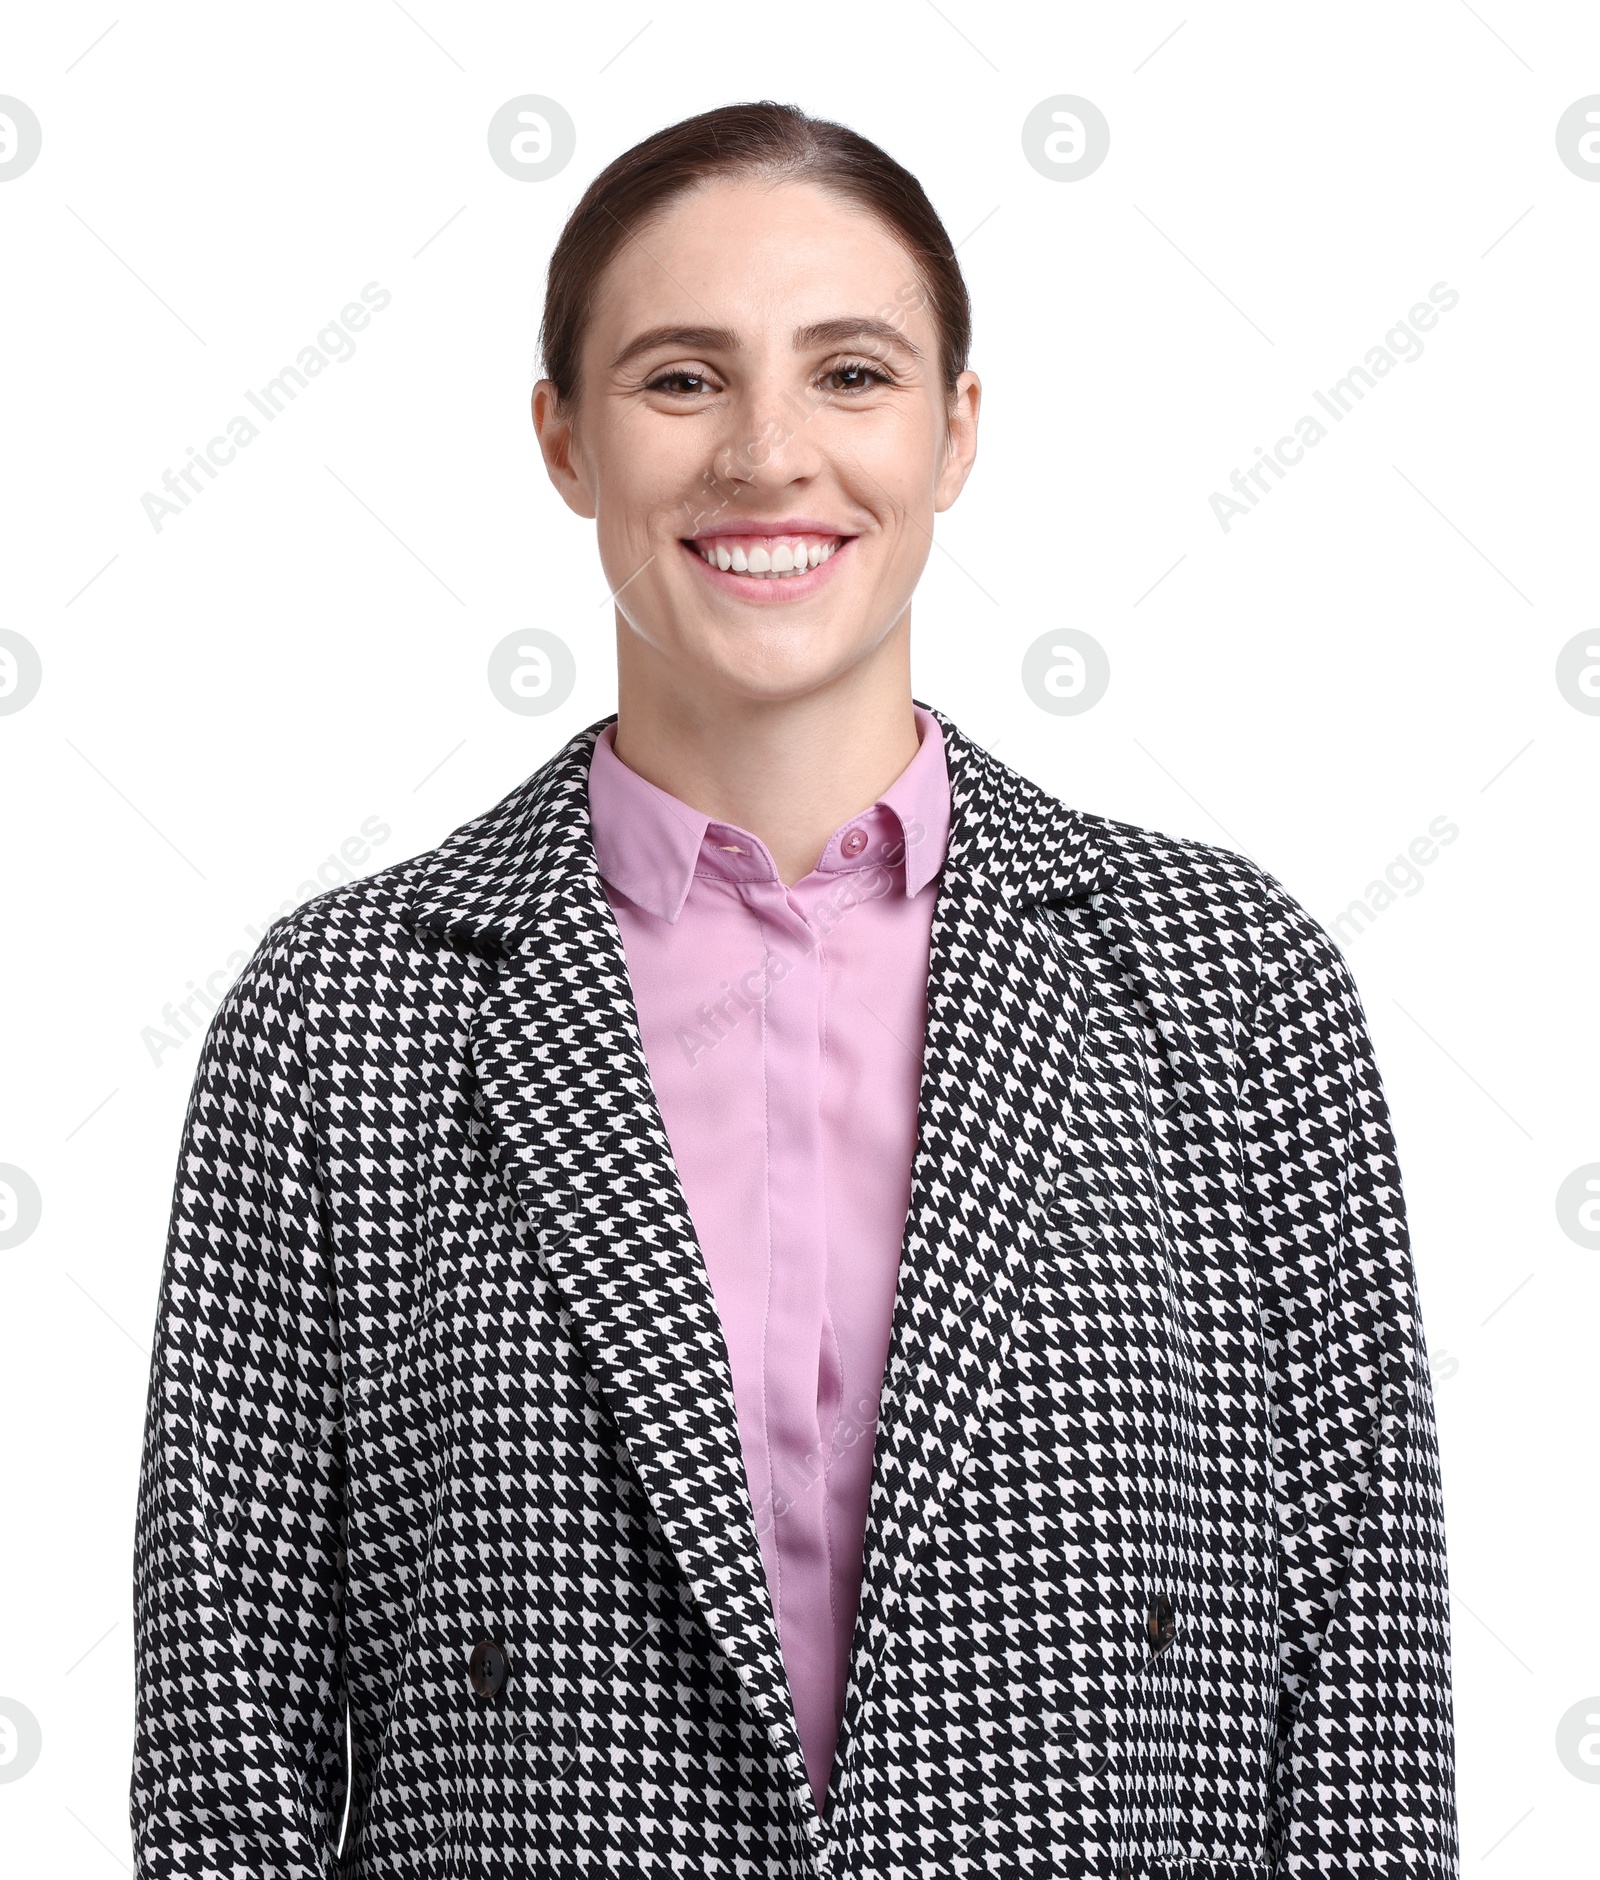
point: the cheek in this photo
(902, 456)
(645, 461)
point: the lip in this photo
(770, 593)
(787, 525)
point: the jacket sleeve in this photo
(1364, 1781)
(239, 1762)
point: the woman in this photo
(783, 1302)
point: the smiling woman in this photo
(783, 1302)
(763, 430)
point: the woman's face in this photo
(763, 438)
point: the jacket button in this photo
(486, 1668)
(1161, 1625)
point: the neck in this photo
(789, 770)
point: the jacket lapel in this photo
(567, 1091)
(566, 1087)
(1008, 1005)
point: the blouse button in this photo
(855, 840)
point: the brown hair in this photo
(739, 140)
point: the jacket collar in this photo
(499, 877)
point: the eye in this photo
(681, 381)
(856, 376)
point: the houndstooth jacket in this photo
(441, 1473)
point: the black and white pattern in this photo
(1155, 1578)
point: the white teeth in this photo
(781, 562)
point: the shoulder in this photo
(1212, 917)
(348, 927)
(1191, 883)
(386, 949)
(343, 958)
(1211, 935)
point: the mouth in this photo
(766, 568)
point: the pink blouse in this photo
(783, 1028)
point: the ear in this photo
(563, 458)
(961, 441)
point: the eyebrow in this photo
(723, 339)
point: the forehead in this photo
(760, 258)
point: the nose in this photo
(773, 440)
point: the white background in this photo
(227, 700)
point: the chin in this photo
(774, 685)
(768, 672)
